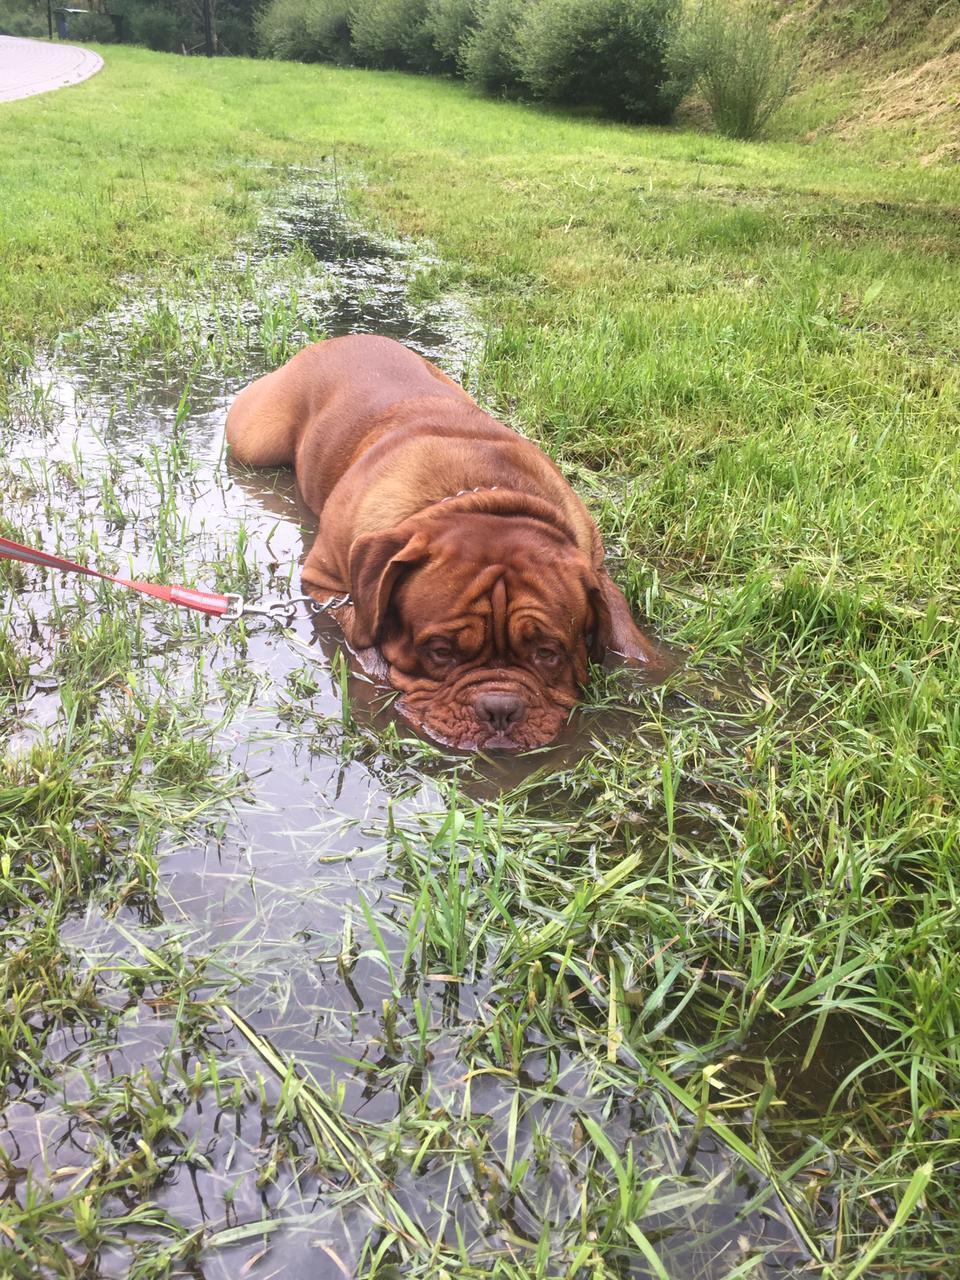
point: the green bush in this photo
(95, 27)
(235, 27)
(393, 34)
(305, 30)
(488, 55)
(740, 62)
(449, 22)
(610, 54)
(157, 28)
(23, 18)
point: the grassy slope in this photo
(885, 74)
(762, 338)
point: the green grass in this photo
(734, 924)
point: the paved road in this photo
(33, 66)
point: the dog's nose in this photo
(501, 711)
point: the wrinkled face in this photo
(487, 634)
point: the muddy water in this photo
(119, 447)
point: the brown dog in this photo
(476, 573)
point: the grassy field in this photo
(685, 1003)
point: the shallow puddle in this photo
(307, 895)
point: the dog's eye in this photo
(439, 650)
(545, 654)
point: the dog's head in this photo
(486, 614)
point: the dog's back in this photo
(347, 382)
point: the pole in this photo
(207, 28)
(50, 18)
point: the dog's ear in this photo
(376, 562)
(617, 632)
(600, 629)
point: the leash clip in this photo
(281, 611)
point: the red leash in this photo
(221, 606)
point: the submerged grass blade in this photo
(333, 1135)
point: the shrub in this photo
(19, 18)
(393, 34)
(235, 27)
(488, 55)
(610, 54)
(305, 30)
(741, 63)
(157, 28)
(449, 22)
(95, 27)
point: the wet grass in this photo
(288, 989)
